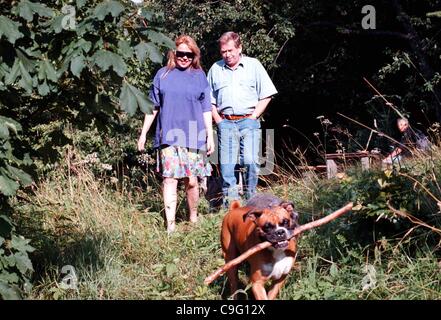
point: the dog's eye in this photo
(267, 227)
(285, 223)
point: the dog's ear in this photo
(289, 206)
(235, 204)
(252, 214)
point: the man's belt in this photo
(234, 117)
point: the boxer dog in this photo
(263, 218)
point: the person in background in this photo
(411, 139)
(181, 95)
(241, 90)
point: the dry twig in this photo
(413, 219)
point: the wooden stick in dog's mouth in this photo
(266, 244)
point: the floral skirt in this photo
(180, 162)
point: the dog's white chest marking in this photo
(282, 265)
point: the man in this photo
(241, 90)
(411, 140)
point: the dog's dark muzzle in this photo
(279, 238)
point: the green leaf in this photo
(87, 25)
(27, 9)
(147, 14)
(143, 48)
(4, 132)
(29, 64)
(128, 99)
(333, 271)
(43, 89)
(74, 49)
(108, 6)
(9, 29)
(8, 260)
(106, 59)
(80, 3)
(7, 186)
(33, 52)
(131, 97)
(83, 45)
(15, 71)
(125, 49)
(160, 38)
(26, 79)
(47, 71)
(23, 262)
(19, 175)
(27, 161)
(21, 244)
(4, 70)
(9, 277)
(8, 292)
(6, 227)
(77, 65)
(56, 25)
(7, 125)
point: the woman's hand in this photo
(141, 143)
(210, 145)
(148, 120)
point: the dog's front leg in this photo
(275, 288)
(233, 280)
(259, 290)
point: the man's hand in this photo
(387, 160)
(216, 117)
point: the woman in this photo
(181, 95)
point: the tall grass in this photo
(114, 237)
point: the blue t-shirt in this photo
(182, 96)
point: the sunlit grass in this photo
(116, 240)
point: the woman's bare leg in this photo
(192, 190)
(169, 190)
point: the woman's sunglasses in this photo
(181, 54)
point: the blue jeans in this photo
(239, 142)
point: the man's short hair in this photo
(230, 35)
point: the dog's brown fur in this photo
(243, 228)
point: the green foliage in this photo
(63, 66)
(9, 29)
(67, 72)
(262, 25)
(80, 63)
(411, 190)
(15, 265)
(118, 244)
(133, 97)
(386, 272)
(11, 176)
